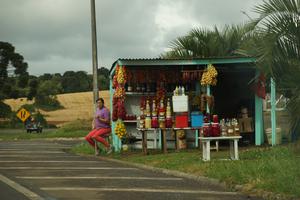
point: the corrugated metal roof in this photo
(194, 58)
(182, 61)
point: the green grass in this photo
(55, 133)
(275, 169)
(79, 124)
(83, 148)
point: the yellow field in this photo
(76, 106)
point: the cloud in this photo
(55, 35)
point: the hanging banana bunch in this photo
(121, 75)
(209, 77)
(120, 129)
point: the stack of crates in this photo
(180, 108)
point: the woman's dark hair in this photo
(100, 99)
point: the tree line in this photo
(68, 82)
(16, 82)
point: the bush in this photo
(47, 103)
(40, 118)
(29, 107)
(5, 110)
(14, 121)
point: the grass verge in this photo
(260, 169)
(54, 133)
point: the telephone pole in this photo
(94, 53)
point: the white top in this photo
(220, 138)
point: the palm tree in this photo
(209, 43)
(277, 48)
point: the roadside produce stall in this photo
(156, 102)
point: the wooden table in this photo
(163, 137)
(163, 132)
(233, 140)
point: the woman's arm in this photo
(104, 120)
(93, 124)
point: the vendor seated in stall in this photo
(101, 126)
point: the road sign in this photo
(23, 114)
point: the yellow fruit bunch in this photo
(212, 70)
(120, 129)
(209, 77)
(121, 76)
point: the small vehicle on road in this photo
(31, 126)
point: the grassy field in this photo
(259, 170)
(76, 106)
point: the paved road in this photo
(44, 170)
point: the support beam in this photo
(208, 94)
(115, 139)
(197, 134)
(273, 111)
(259, 133)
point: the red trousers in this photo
(99, 135)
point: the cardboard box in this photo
(246, 124)
(180, 103)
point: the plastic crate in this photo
(196, 119)
(181, 121)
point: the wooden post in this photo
(164, 141)
(176, 140)
(94, 54)
(144, 142)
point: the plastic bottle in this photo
(176, 91)
(182, 90)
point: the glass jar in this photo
(215, 130)
(207, 130)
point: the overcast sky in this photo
(54, 36)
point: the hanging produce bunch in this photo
(121, 76)
(191, 75)
(115, 82)
(115, 110)
(119, 111)
(160, 87)
(119, 82)
(119, 92)
(209, 77)
(120, 129)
